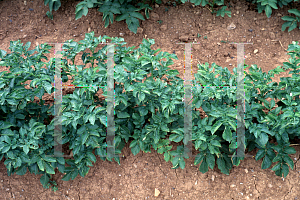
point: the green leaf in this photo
(216, 126)
(135, 149)
(49, 159)
(182, 163)
(221, 164)
(210, 159)
(292, 26)
(289, 161)
(79, 14)
(288, 18)
(40, 163)
(26, 149)
(44, 179)
(92, 119)
(295, 12)
(175, 161)
(276, 167)
(47, 86)
(215, 143)
(84, 137)
(260, 154)
(167, 156)
(227, 134)
(81, 130)
(74, 174)
(198, 159)
(66, 177)
(285, 25)
(91, 156)
(285, 170)
(266, 162)
(123, 115)
(289, 150)
(5, 125)
(203, 167)
(49, 168)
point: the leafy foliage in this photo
(268, 5)
(149, 113)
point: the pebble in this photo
(255, 51)
(232, 185)
(246, 170)
(250, 30)
(270, 185)
(156, 192)
(231, 26)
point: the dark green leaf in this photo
(203, 167)
(266, 162)
(276, 167)
(182, 163)
(260, 154)
(44, 179)
(289, 150)
(67, 176)
(289, 161)
(210, 159)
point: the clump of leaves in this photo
(148, 114)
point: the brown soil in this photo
(138, 176)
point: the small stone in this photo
(237, 12)
(255, 19)
(246, 171)
(213, 177)
(156, 192)
(89, 29)
(135, 165)
(272, 35)
(139, 30)
(279, 15)
(255, 51)
(218, 43)
(24, 36)
(232, 185)
(154, 17)
(209, 28)
(231, 26)
(156, 6)
(270, 185)
(121, 34)
(258, 41)
(250, 30)
(163, 27)
(184, 38)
